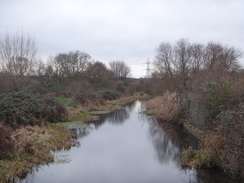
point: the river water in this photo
(124, 146)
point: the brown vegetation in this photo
(166, 107)
(6, 143)
(195, 158)
(31, 146)
(209, 83)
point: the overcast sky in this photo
(128, 30)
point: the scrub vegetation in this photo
(166, 107)
(37, 100)
(30, 146)
(201, 88)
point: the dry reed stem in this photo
(166, 107)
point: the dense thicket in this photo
(209, 82)
(18, 109)
(25, 81)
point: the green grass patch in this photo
(98, 112)
(82, 117)
(68, 102)
(148, 112)
(74, 124)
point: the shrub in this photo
(166, 107)
(216, 97)
(68, 102)
(18, 109)
(213, 143)
(195, 158)
(110, 95)
(88, 98)
(225, 144)
(6, 143)
(232, 157)
(83, 97)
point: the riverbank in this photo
(29, 146)
(221, 138)
(32, 146)
(199, 134)
(89, 111)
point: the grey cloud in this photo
(123, 29)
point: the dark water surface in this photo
(124, 147)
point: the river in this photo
(124, 146)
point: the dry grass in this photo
(80, 112)
(33, 146)
(197, 132)
(195, 158)
(6, 143)
(115, 104)
(81, 117)
(166, 107)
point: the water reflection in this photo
(165, 149)
(119, 117)
(81, 132)
(168, 139)
(116, 118)
(124, 146)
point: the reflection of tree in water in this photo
(164, 147)
(169, 140)
(81, 132)
(210, 176)
(118, 117)
(131, 106)
(29, 177)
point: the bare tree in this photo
(40, 69)
(197, 56)
(18, 54)
(164, 63)
(181, 62)
(78, 62)
(98, 74)
(120, 69)
(67, 65)
(221, 57)
(49, 71)
(175, 61)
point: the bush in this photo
(225, 144)
(195, 158)
(232, 157)
(216, 97)
(85, 97)
(166, 107)
(68, 102)
(6, 143)
(110, 95)
(17, 109)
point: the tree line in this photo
(178, 64)
(19, 61)
(203, 86)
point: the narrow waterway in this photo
(124, 147)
